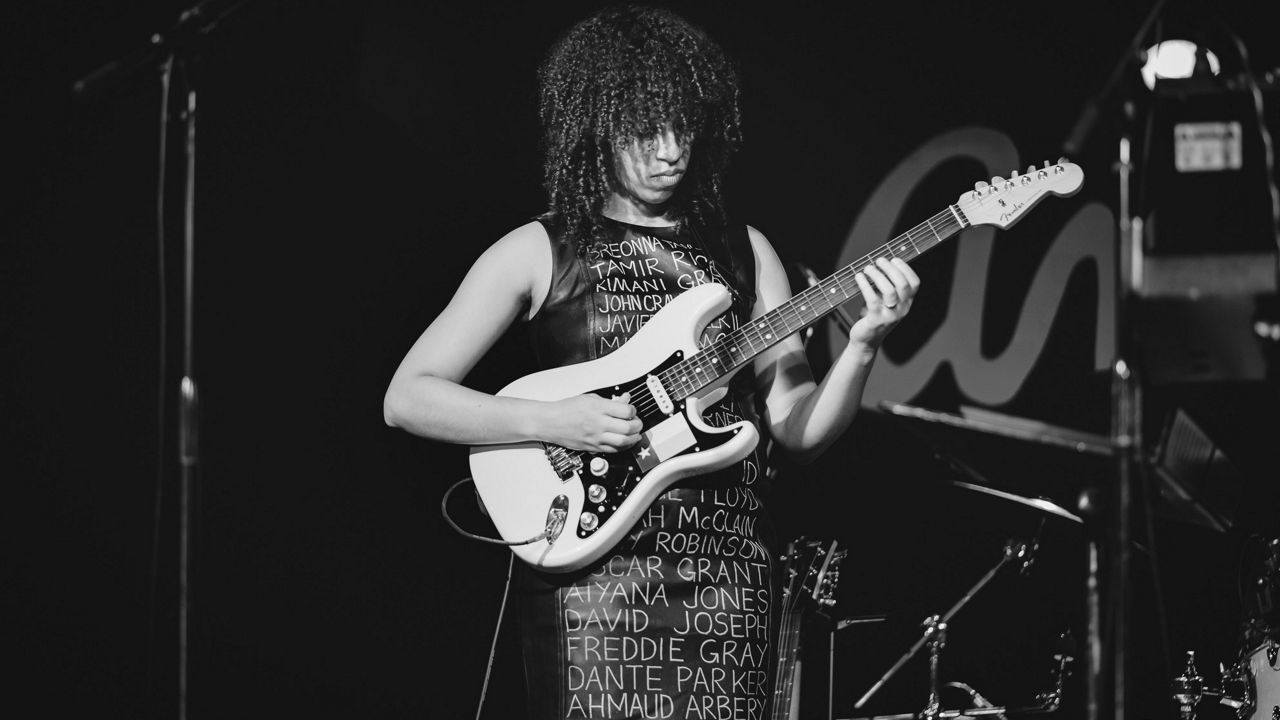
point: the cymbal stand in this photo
(936, 634)
(935, 628)
(1046, 702)
(1108, 658)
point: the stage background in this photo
(354, 159)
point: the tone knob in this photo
(595, 493)
(599, 466)
(588, 521)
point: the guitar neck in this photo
(788, 654)
(741, 346)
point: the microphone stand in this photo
(179, 45)
(936, 631)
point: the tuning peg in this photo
(1046, 164)
(996, 180)
(981, 185)
(1014, 175)
(1061, 160)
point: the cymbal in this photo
(1037, 503)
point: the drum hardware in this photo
(1237, 689)
(1238, 692)
(1263, 599)
(1046, 702)
(1051, 699)
(1188, 688)
(934, 637)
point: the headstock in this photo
(1002, 202)
(811, 572)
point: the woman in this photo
(640, 117)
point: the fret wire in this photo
(935, 232)
(762, 333)
(767, 321)
(792, 317)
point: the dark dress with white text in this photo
(676, 620)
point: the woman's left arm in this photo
(805, 417)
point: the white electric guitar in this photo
(562, 509)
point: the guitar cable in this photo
(493, 646)
(554, 523)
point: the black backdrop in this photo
(354, 158)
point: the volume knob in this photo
(599, 466)
(588, 521)
(595, 493)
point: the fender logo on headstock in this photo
(1010, 213)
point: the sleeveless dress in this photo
(677, 621)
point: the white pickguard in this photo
(518, 485)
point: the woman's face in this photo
(649, 170)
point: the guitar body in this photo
(587, 502)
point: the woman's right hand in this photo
(592, 423)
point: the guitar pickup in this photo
(659, 394)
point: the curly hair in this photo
(623, 74)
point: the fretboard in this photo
(738, 347)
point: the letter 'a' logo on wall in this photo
(992, 381)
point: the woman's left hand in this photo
(887, 288)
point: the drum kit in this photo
(1250, 687)
(1081, 454)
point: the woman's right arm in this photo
(426, 397)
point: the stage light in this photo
(1174, 60)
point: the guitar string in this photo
(742, 334)
(784, 632)
(839, 279)
(648, 403)
(966, 203)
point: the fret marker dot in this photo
(833, 291)
(768, 336)
(714, 361)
